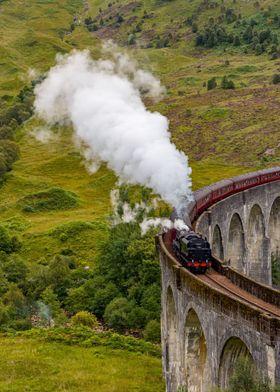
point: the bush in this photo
(152, 331)
(50, 299)
(50, 200)
(227, 84)
(245, 378)
(9, 151)
(211, 84)
(15, 270)
(131, 39)
(84, 318)
(116, 314)
(8, 244)
(276, 79)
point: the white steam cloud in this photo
(102, 100)
(165, 224)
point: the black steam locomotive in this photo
(192, 250)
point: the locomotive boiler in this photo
(192, 250)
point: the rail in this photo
(262, 315)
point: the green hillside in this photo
(224, 132)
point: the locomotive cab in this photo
(193, 251)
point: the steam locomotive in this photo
(192, 251)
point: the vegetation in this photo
(275, 266)
(60, 256)
(52, 199)
(246, 379)
(47, 364)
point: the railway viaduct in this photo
(209, 322)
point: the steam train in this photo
(192, 250)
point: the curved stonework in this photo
(259, 214)
(274, 227)
(205, 319)
(217, 243)
(195, 352)
(235, 349)
(205, 329)
(236, 243)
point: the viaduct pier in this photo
(210, 321)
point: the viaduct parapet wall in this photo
(244, 230)
(204, 329)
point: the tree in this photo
(59, 275)
(152, 331)
(131, 39)
(276, 79)
(211, 84)
(227, 84)
(119, 19)
(236, 41)
(116, 314)
(8, 244)
(50, 299)
(246, 378)
(15, 270)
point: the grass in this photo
(50, 200)
(34, 365)
(224, 133)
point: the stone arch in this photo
(233, 351)
(195, 353)
(236, 243)
(217, 243)
(171, 344)
(274, 228)
(255, 243)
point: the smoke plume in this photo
(102, 100)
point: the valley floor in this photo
(32, 365)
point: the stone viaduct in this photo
(205, 328)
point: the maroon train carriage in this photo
(191, 249)
(209, 195)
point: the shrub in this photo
(72, 229)
(84, 318)
(15, 270)
(116, 314)
(50, 200)
(9, 151)
(211, 84)
(131, 39)
(152, 331)
(227, 84)
(276, 79)
(50, 299)
(8, 244)
(246, 378)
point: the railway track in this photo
(223, 283)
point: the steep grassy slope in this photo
(229, 127)
(224, 132)
(32, 365)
